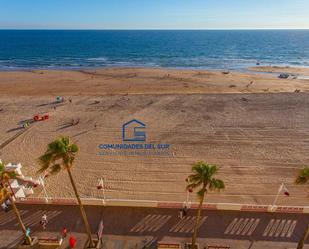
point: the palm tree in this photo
(5, 176)
(202, 176)
(60, 154)
(302, 178)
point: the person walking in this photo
(64, 232)
(44, 221)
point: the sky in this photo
(154, 14)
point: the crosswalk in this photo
(29, 220)
(9, 217)
(280, 228)
(35, 218)
(186, 225)
(238, 226)
(242, 226)
(151, 223)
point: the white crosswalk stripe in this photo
(242, 226)
(35, 218)
(280, 228)
(9, 216)
(186, 225)
(151, 223)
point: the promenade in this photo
(131, 228)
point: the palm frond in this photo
(193, 185)
(216, 184)
(303, 176)
(2, 167)
(59, 152)
(45, 161)
(55, 168)
(203, 175)
(74, 148)
(6, 175)
(201, 193)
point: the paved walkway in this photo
(129, 228)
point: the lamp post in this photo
(281, 188)
(101, 186)
(189, 191)
(41, 180)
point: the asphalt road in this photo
(162, 222)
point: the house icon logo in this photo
(134, 131)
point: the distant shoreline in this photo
(262, 68)
(126, 81)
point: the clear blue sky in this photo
(153, 14)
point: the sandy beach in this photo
(121, 81)
(254, 126)
(276, 69)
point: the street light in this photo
(281, 189)
(42, 182)
(101, 186)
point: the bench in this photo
(218, 247)
(50, 243)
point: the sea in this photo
(183, 49)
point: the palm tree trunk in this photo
(197, 221)
(23, 228)
(301, 243)
(82, 211)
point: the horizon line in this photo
(153, 29)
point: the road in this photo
(156, 223)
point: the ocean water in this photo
(235, 50)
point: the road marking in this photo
(291, 229)
(186, 225)
(280, 228)
(286, 228)
(35, 218)
(242, 226)
(151, 223)
(9, 216)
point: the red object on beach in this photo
(39, 117)
(72, 241)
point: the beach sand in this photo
(258, 138)
(276, 69)
(141, 81)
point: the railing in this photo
(164, 204)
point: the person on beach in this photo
(64, 232)
(44, 221)
(5, 207)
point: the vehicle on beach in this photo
(59, 99)
(40, 117)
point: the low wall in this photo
(162, 204)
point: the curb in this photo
(173, 205)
